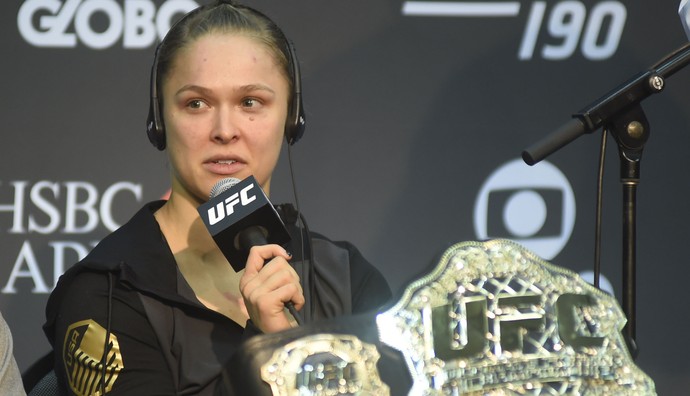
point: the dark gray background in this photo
(407, 117)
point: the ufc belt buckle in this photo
(494, 319)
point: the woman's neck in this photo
(206, 270)
(183, 228)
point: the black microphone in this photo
(238, 216)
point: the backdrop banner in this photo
(417, 114)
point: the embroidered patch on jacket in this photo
(83, 355)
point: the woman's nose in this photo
(225, 129)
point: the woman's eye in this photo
(250, 102)
(195, 104)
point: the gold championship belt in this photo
(491, 319)
(494, 319)
(325, 358)
(324, 365)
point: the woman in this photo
(155, 308)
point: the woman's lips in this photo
(224, 166)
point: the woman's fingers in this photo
(267, 285)
(259, 255)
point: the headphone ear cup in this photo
(154, 123)
(154, 129)
(296, 122)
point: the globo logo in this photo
(57, 24)
(532, 205)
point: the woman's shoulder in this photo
(141, 231)
(339, 268)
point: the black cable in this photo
(301, 225)
(599, 204)
(104, 357)
(312, 272)
(293, 311)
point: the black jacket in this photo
(161, 339)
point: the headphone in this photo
(294, 124)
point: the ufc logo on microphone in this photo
(227, 207)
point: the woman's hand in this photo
(267, 284)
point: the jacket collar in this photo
(139, 254)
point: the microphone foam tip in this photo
(222, 186)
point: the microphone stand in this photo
(620, 113)
(631, 131)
